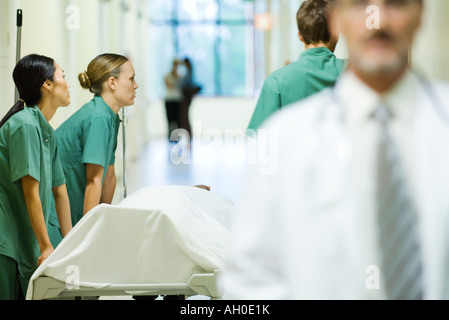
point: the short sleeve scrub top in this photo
(27, 148)
(88, 136)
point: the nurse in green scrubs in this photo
(31, 173)
(316, 69)
(88, 139)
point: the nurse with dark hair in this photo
(31, 173)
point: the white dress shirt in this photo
(359, 102)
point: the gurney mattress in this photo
(158, 235)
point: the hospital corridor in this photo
(224, 150)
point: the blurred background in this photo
(233, 46)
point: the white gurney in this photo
(166, 240)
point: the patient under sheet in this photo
(156, 235)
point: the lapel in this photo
(333, 159)
(432, 163)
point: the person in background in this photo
(317, 67)
(87, 141)
(31, 173)
(189, 90)
(173, 97)
(358, 208)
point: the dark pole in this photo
(19, 43)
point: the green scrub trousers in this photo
(10, 280)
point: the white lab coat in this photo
(300, 233)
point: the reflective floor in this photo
(218, 164)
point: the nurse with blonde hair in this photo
(88, 139)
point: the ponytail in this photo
(19, 106)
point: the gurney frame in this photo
(47, 288)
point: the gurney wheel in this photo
(167, 297)
(177, 297)
(145, 297)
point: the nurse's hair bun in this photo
(84, 80)
(100, 69)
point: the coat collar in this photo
(46, 129)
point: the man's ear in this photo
(300, 37)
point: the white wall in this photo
(8, 36)
(431, 51)
(50, 27)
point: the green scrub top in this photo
(316, 69)
(88, 136)
(27, 147)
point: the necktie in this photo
(400, 255)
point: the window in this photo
(216, 35)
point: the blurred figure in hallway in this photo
(189, 89)
(173, 97)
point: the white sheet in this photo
(157, 235)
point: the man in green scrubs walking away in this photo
(316, 69)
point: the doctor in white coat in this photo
(309, 231)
